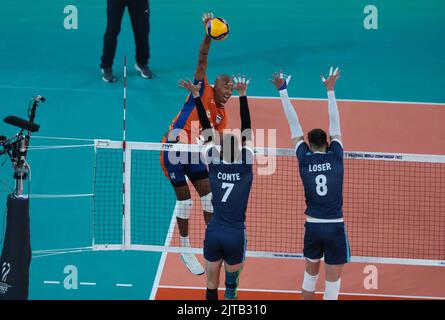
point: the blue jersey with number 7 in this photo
(322, 177)
(230, 184)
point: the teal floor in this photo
(402, 61)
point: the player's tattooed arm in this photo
(200, 72)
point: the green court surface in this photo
(401, 61)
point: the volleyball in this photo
(217, 28)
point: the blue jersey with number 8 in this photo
(230, 185)
(322, 177)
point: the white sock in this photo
(185, 241)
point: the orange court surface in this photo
(371, 126)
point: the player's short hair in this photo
(230, 147)
(223, 77)
(317, 138)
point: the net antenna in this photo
(126, 161)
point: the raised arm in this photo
(202, 115)
(200, 72)
(281, 81)
(241, 85)
(334, 116)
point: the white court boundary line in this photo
(317, 292)
(87, 283)
(442, 104)
(163, 259)
(180, 94)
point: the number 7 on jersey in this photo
(229, 187)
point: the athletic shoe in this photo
(192, 263)
(144, 71)
(107, 75)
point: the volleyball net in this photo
(393, 204)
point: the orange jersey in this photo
(188, 120)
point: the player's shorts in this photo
(194, 168)
(222, 242)
(326, 239)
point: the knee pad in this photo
(331, 290)
(232, 280)
(309, 282)
(206, 203)
(183, 208)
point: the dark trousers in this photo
(140, 21)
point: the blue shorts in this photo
(193, 168)
(222, 242)
(328, 240)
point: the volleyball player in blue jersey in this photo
(230, 176)
(321, 171)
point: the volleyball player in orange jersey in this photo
(185, 128)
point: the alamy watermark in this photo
(71, 21)
(371, 21)
(217, 150)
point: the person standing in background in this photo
(140, 21)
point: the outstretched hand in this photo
(241, 84)
(206, 16)
(193, 88)
(334, 75)
(280, 80)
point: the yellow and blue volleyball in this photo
(217, 28)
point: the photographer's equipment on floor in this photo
(16, 253)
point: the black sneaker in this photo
(144, 70)
(107, 75)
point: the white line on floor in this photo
(298, 291)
